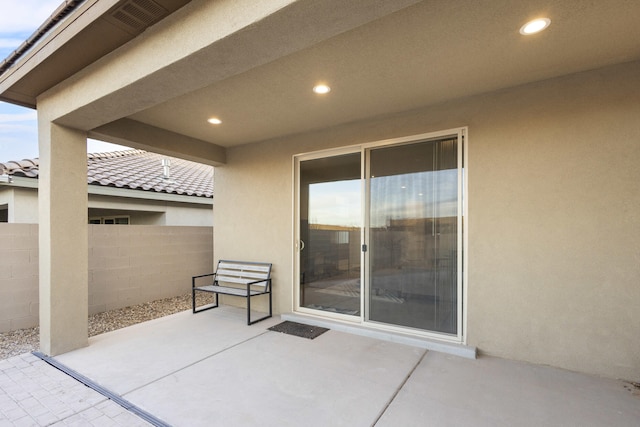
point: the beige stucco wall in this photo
(23, 209)
(25, 206)
(154, 212)
(127, 265)
(22, 204)
(554, 190)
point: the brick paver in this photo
(33, 393)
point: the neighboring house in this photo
(125, 187)
(462, 183)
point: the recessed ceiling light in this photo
(321, 89)
(535, 26)
(214, 121)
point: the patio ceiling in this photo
(423, 54)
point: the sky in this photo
(427, 194)
(18, 125)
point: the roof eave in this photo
(65, 9)
(77, 34)
(32, 183)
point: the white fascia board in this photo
(148, 195)
(20, 181)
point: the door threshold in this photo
(461, 350)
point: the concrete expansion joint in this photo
(395, 394)
(108, 394)
(197, 362)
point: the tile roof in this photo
(27, 168)
(133, 169)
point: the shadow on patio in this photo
(212, 369)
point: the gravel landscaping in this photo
(28, 340)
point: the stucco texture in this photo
(554, 258)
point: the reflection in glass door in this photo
(330, 234)
(413, 235)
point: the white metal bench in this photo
(236, 278)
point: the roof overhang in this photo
(77, 34)
(32, 183)
(254, 63)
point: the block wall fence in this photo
(128, 265)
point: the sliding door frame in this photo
(297, 159)
(462, 238)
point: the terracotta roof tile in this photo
(133, 169)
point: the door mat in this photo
(299, 329)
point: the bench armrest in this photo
(193, 278)
(203, 275)
(267, 285)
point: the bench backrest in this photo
(243, 272)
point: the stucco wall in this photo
(23, 209)
(153, 212)
(554, 190)
(22, 204)
(127, 265)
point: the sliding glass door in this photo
(413, 235)
(330, 234)
(380, 234)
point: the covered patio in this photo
(493, 198)
(211, 369)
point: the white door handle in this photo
(301, 245)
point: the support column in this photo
(63, 230)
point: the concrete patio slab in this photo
(212, 369)
(129, 358)
(450, 391)
(282, 380)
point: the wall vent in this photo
(134, 16)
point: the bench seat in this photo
(228, 291)
(236, 278)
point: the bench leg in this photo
(249, 310)
(193, 298)
(249, 322)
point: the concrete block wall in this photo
(128, 265)
(19, 304)
(131, 264)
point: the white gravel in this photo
(28, 340)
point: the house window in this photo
(119, 220)
(4, 213)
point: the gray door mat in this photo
(299, 329)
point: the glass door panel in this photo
(413, 235)
(330, 234)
